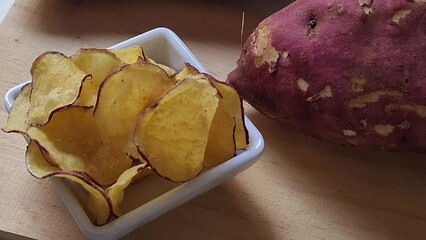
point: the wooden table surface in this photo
(301, 188)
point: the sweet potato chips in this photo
(105, 118)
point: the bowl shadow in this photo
(221, 213)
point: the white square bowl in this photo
(166, 47)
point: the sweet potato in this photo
(347, 71)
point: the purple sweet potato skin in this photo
(343, 71)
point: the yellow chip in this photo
(17, 120)
(76, 143)
(135, 54)
(221, 143)
(234, 103)
(230, 97)
(56, 83)
(172, 135)
(142, 174)
(37, 165)
(97, 202)
(185, 72)
(116, 191)
(99, 63)
(170, 71)
(130, 54)
(124, 95)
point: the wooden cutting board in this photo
(301, 188)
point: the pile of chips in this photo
(106, 118)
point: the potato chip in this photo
(229, 96)
(234, 104)
(56, 83)
(17, 120)
(170, 71)
(99, 63)
(185, 72)
(36, 163)
(142, 174)
(221, 144)
(98, 205)
(172, 134)
(47, 157)
(130, 54)
(97, 202)
(76, 143)
(124, 95)
(116, 191)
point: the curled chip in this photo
(172, 135)
(234, 104)
(130, 54)
(98, 205)
(99, 63)
(230, 98)
(36, 163)
(116, 191)
(221, 143)
(75, 142)
(124, 95)
(17, 120)
(170, 71)
(135, 54)
(56, 83)
(185, 72)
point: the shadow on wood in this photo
(79, 18)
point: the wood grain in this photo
(301, 188)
